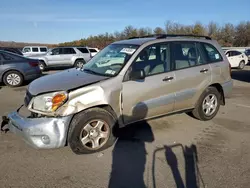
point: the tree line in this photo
(227, 35)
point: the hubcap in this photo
(209, 104)
(79, 64)
(13, 79)
(95, 134)
(41, 66)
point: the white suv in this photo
(65, 57)
(29, 51)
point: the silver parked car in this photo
(15, 69)
(64, 57)
(126, 82)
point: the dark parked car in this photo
(13, 50)
(15, 69)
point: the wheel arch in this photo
(106, 107)
(79, 58)
(220, 90)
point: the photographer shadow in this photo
(129, 153)
(192, 173)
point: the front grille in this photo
(27, 98)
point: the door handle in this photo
(203, 70)
(168, 78)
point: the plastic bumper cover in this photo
(43, 132)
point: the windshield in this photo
(110, 60)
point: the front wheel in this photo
(208, 105)
(91, 131)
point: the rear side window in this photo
(43, 49)
(92, 50)
(35, 50)
(83, 50)
(211, 53)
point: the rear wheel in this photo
(208, 105)
(13, 79)
(242, 65)
(91, 131)
(79, 63)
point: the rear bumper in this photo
(227, 88)
(33, 74)
(44, 133)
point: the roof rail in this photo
(162, 36)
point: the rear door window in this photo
(186, 54)
(68, 51)
(235, 53)
(34, 49)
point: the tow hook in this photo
(4, 124)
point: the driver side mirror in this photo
(50, 53)
(138, 75)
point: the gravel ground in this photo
(174, 151)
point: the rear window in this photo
(83, 50)
(211, 53)
(43, 49)
(35, 50)
(8, 57)
(92, 50)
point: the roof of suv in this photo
(144, 39)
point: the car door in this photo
(66, 55)
(233, 58)
(192, 73)
(53, 57)
(154, 95)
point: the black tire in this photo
(198, 111)
(15, 75)
(42, 65)
(78, 62)
(241, 65)
(80, 121)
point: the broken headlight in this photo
(49, 102)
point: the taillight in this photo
(33, 64)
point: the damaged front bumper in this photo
(41, 132)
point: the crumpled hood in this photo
(63, 81)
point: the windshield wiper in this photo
(93, 72)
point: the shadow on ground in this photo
(241, 75)
(192, 173)
(129, 153)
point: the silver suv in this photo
(64, 57)
(126, 82)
